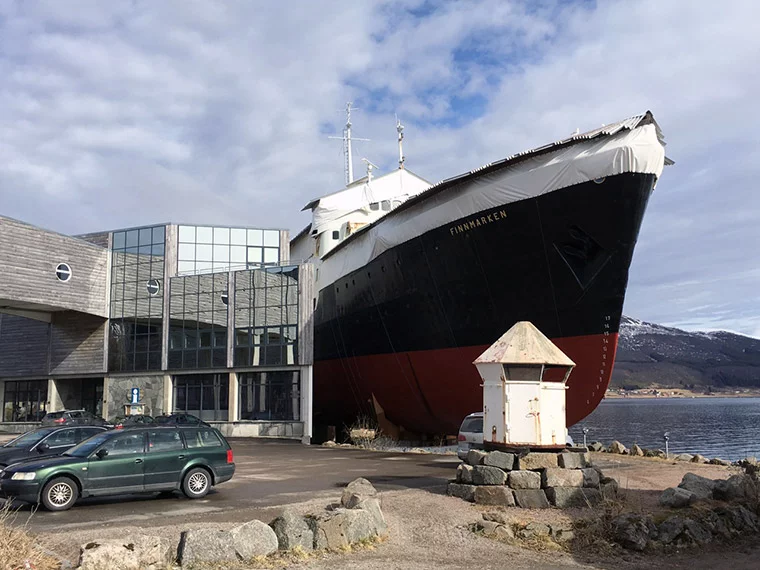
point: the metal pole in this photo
(666, 435)
(585, 431)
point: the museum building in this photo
(208, 320)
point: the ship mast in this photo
(347, 149)
(400, 129)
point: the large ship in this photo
(414, 280)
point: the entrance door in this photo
(92, 395)
(121, 470)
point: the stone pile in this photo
(694, 488)
(636, 451)
(533, 480)
(358, 518)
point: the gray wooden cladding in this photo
(72, 343)
(28, 258)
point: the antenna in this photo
(347, 150)
(400, 129)
(370, 166)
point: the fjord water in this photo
(728, 428)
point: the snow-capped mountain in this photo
(654, 354)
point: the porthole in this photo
(63, 272)
(225, 297)
(599, 180)
(153, 286)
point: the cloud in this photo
(130, 112)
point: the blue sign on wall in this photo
(135, 395)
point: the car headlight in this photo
(24, 476)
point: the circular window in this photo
(153, 287)
(225, 298)
(63, 272)
(600, 180)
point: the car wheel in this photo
(60, 494)
(196, 483)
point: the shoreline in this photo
(665, 393)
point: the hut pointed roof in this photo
(524, 344)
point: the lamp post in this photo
(666, 436)
(585, 431)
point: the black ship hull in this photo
(400, 333)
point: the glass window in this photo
(204, 252)
(237, 236)
(237, 254)
(270, 395)
(146, 236)
(386, 205)
(187, 234)
(222, 253)
(255, 237)
(271, 255)
(222, 236)
(336, 234)
(125, 444)
(186, 251)
(374, 206)
(186, 267)
(132, 238)
(272, 238)
(254, 255)
(201, 438)
(203, 395)
(119, 240)
(63, 438)
(25, 401)
(204, 235)
(164, 440)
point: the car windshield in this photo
(29, 439)
(89, 445)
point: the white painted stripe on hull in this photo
(635, 151)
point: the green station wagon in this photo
(138, 460)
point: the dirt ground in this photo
(428, 530)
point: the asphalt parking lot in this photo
(268, 475)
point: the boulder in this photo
(655, 453)
(524, 480)
(504, 532)
(697, 458)
(254, 538)
(538, 460)
(130, 553)
(676, 497)
(486, 475)
(505, 461)
(683, 531)
(494, 495)
(476, 457)
(631, 531)
(567, 497)
(738, 518)
(464, 473)
(200, 546)
(341, 528)
(558, 477)
(466, 492)
(561, 532)
(702, 487)
(636, 451)
(574, 460)
(684, 457)
(609, 487)
(531, 499)
(292, 531)
(497, 517)
(356, 491)
(719, 461)
(596, 446)
(735, 487)
(617, 447)
(534, 530)
(372, 506)
(591, 478)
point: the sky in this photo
(132, 112)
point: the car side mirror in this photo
(101, 453)
(43, 447)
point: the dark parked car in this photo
(136, 460)
(180, 419)
(73, 418)
(44, 442)
(132, 421)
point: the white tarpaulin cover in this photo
(638, 150)
(331, 209)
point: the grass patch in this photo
(19, 548)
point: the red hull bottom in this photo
(431, 391)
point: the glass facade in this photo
(137, 276)
(25, 401)
(198, 321)
(266, 317)
(270, 395)
(205, 249)
(203, 395)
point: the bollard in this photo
(585, 431)
(666, 435)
